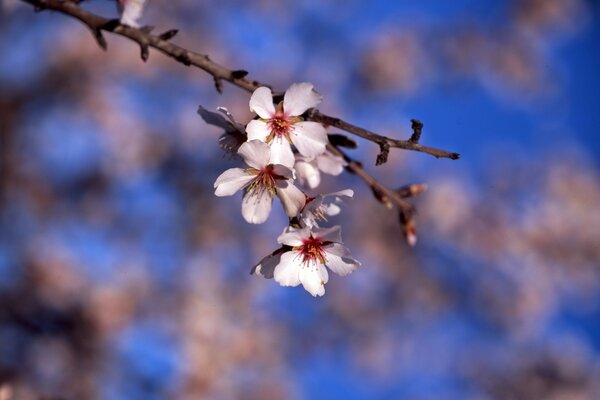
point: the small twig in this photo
(317, 116)
(381, 192)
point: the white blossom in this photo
(261, 182)
(304, 258)
(281, 125)
(322, 206)
(308, 172)
(131, 11)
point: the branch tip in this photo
(417, 128)
(382, 157)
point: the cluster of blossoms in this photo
(281, 150)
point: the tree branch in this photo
(145, 39)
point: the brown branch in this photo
(383, 141)
(384, 194)
(145, 39)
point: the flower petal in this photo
(330, 164)
(231, 181)
(266, 266)
(339, 260)
(310, 138)
(314, 277)
(261, 102)
(282, 170)
(307, 174)
(257, 130)
(332, 234)
(345, 193)
(281, 153)
(291, 197)
(131, 11)
(299, 98)
(286, 273)
(255, 153)
(256, 206)
(214, 118)
(293, 237)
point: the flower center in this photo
(281, 126)
(265, 180)
(311, 251)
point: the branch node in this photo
(184, 58)
(417, 128)
(238, 74)
(411, 190)
(382, 197)
(382, 157)
(168, 35)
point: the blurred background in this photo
(123, 277)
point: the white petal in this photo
(339, 260)
(266, 266)
(231, 181)
(131, 11)
(284, 171)
(255, 153)
(256, 206)
(281, 153)
(345, 193)
(330, 164)
(332, 234)
(214, 118)
(257, 130)
(332, 209)
(314, 277)
(299, 98)
(310, 138)
(287, 272)
(291, 197)
(293, 237)
(261, 102)
(234, 123)
(307, 174)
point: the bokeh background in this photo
(123, 277)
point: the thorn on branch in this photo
(238, 74)
(144, 51)
(411, 190)
(168, 35)
(382, 197)
(382, 157)
(342, 141)
(219, 85)
(100, 38)
(417, 128)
